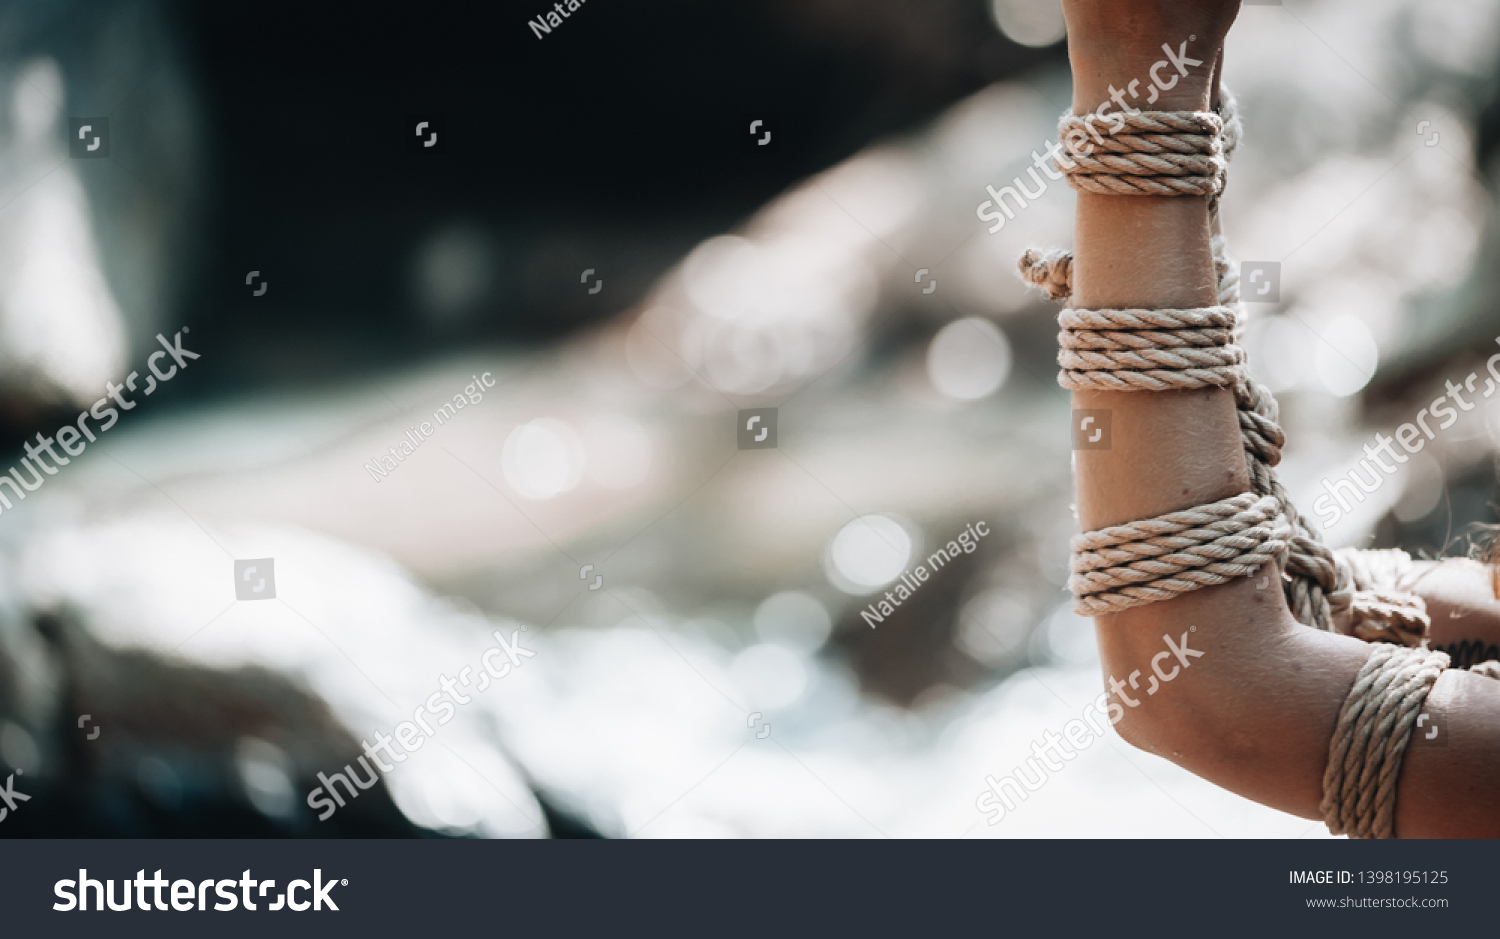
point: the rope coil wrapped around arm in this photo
(1374, 728)
(1157, 559)
(1145, 153)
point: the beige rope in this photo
(1374, 727)
(1382, 609)
(1050, 270)
(1053, 270)
(1148, 350)
(1161, 153)
(1157, 559)
(1159, 350)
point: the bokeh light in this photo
(1346, 355)
(1030, 22)
(542, 458)
(793, 619)
(770, 675)
(618, 450)
(868, 553)
(968, 359)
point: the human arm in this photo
(1256, 711)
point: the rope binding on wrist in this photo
(1369, 743)
(1144, 153)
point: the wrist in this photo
(1167, 77)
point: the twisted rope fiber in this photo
(1051, 270)
(1367, 747)
(1149, 350)
(1382, 609)
(1156, 559)
(1161, 153)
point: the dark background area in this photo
(615, 147)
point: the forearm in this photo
(1255, 712)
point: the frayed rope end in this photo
(1050, 270)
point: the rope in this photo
(1490, 669)
(1148, 350)
(1382, 610)
(1157, 559)
(1141, 562)
(1050, 270)
(1161, 153)
(1374, 727)
(1160, 350)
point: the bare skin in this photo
(1460, 595)
(1256, 712)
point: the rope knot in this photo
(1381, 609)
(1050, 270)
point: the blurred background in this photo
(604, 263)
